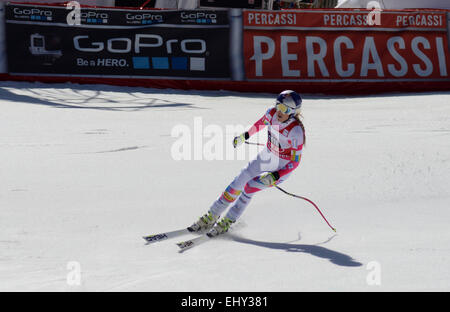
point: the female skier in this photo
(273, 165)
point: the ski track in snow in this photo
(87, 170)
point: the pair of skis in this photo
(184, 245)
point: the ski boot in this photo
(204, 223)
(221, 227)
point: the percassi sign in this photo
(312, 46)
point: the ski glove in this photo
(240, 139)
(269, 178)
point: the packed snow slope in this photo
(86, 171)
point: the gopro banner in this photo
(3, 62)
(50, 40)
(352, 46)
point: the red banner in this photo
(366, 46)
(362, 19)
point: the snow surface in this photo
(87, 170)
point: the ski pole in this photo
(308, 200)
(297, 196)
(251, 143)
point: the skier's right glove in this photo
(269, 178)
(240, 139)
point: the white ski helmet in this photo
(290, 102)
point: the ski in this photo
(196, 241)
(193, 242)
(167, 235)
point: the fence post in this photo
(236, 48)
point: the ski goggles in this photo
(284, 108)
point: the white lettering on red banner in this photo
(310, 46)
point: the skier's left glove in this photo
(269, 178)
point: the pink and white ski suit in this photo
(281, 156)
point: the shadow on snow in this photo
(318, 251)
(92, 97)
